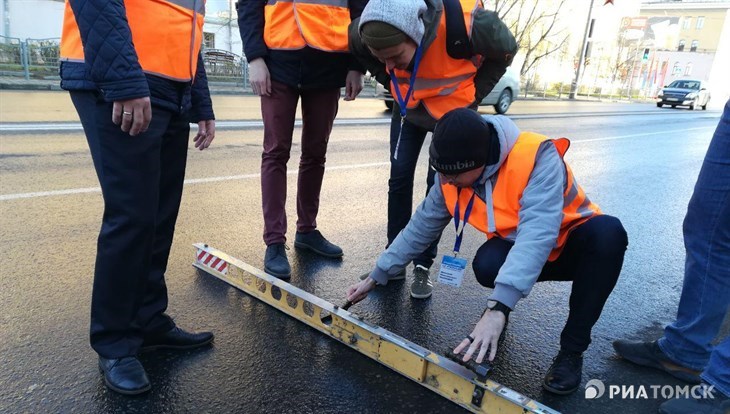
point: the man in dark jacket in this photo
(135, 102)
(297, 49)
(407, 39)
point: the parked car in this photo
(501, 97)
(684, 92)
(504, 92)
(384, 94)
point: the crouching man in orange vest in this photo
(434, 56)
(516, 188)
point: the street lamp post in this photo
(574, 85)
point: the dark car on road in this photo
(685, 92)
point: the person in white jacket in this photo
(540, 225)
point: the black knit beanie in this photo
(463, 140)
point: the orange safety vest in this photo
(167, 36)
(442, 83)
(512, 179)
(294, 24)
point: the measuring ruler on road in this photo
(433, 371)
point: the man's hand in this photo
(353, 85)
(359, 291)
(205, 135)
(485, 336)
(259, 77)
(134, 115)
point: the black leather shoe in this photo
(315, 241)
(275, 261)
(649, 354)
(176, 338)
(565, 373)
(124, 375)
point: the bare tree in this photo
(623, 64)
(535, 26)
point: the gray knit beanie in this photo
(402, 15)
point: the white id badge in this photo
(452, 271)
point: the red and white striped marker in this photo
(215, 263)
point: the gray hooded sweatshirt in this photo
(540, 216)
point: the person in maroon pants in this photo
(297, 50)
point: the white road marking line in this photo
(57, 127)
(640, 135)
(8, 197)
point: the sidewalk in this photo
(20, 83)
(231, 88)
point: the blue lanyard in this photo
(403, 102)
(457, 213)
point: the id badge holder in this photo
(452, 271)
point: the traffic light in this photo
(646, 55)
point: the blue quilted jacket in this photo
(111, 67)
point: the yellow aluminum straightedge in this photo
(433, 371)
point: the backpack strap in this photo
(458, 44)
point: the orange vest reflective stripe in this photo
(512, 179)
(442, 83)
(294, 24)
(167, 36)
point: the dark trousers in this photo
(319, 108)
(141, 181)
(400, 184)
(592, 259)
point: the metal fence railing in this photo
(11, 54)
(38, 58)
(29, 58)
(42, 55)
(225, 66)
(561, 90)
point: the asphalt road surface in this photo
(638, 162)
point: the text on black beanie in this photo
(463, 140)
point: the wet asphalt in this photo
(640, 167)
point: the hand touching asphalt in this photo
(484, 337)
(360, 290)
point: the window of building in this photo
(693, 46)
(680, 48)
(676, 69)
(687, 23)
(688, 69)
(700, 22)
(208, 40)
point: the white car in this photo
(501, 97)
(504, 92)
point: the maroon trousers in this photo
(319, 108)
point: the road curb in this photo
(30, 86)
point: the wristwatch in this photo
(494, 305)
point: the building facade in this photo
(686, 40)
